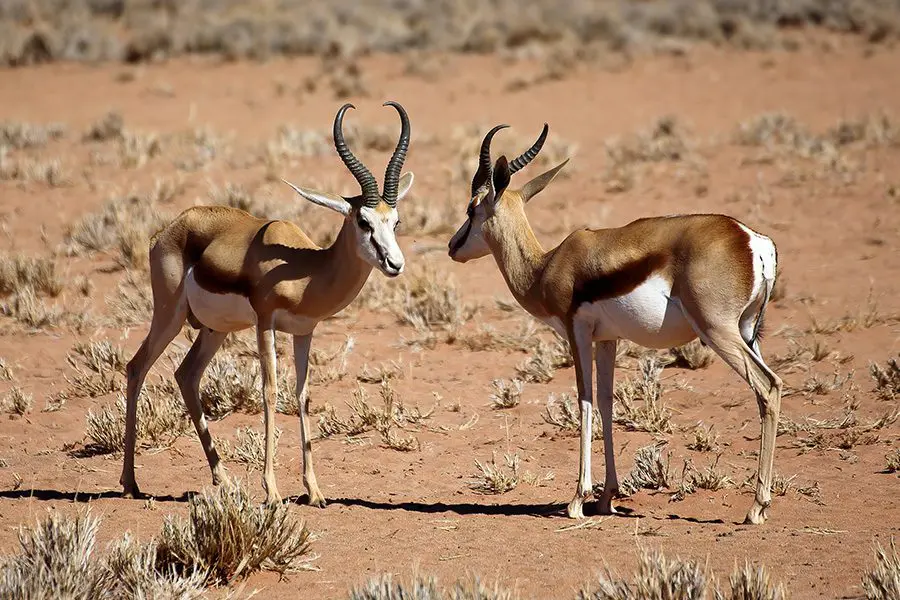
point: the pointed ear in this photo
(500, 177)
(405, 184)
(332, 201)
(534, 187)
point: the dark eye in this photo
(363, 224)
(470, 211)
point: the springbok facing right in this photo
(659, 282)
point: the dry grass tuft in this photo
(752, 582)
(693, 356)
(892, 461)
(25, 307)
(665, 141)
(657, 577)
(17, 401)
(227, 536)
(650, 471)
(651, 415)
(506, 394)
(385, 587)
(132, 303)
(21, 135)
(41, 274)
(546, 357)
(563, 413)
(704, 439)
(883, 582)
(161, 419)
(329, 366)
(492, 478)
(132, 570)
(110, 126)
(231, 385)
(887, 379)
(54, 560)
(98, 356)
(125, 224)
(250, 448)
(429, 299)
(711, 478)
(383, 372)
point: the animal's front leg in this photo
(606, 366)
(265, 336)
(581, 343)
(301, 362)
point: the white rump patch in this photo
(219, 312)
(762, 252)
(647, 315)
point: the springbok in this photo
(659, 282)
(224, 270)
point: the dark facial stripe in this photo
(462, 240)
(613, 284)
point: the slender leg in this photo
(766, 385)
(580, 340)
(167, 321)
(265, 335)
(301, 363)
(188, 376)
(606, 365)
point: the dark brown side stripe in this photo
(618, 282)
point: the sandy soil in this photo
(402, 512)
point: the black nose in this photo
(390, 264)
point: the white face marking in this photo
(377, 240)
(468, 242)
(647, 315)
(219, 312)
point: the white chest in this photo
(647, 315)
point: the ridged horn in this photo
(365, 178)
(392, 173)
(526, 157)
(483, 174)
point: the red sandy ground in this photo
(399, 513)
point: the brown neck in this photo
(343, 272)
(518, 252)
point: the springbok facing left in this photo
(659, 282)
(223, 270)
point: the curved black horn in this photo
(483, 174)
(365, 178)
(523, 159)
(392, 173)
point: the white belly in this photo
(219, 312)
(293, 324)
(647, 316)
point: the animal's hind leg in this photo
(731, 346)
(168, 317)
(188, 376)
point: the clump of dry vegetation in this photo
(249, 448)
(887, 379)
(227, 536)
(493, 478)
(506, 394)
(546, 357)
(638, 401)
(48, 172)
(650, 471)
(710, 478)
(57, 559)
(703, 439)
(665, 141)
(124, 224)
(17, 401)
(892, 461)
(161, 419)
(429, 299)
(659, 576)
(31, 311)
(420, 587)
(883, 582)
(41, 274)
(566, 416)
(22, 135)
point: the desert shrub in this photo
(566, 416)
(506, 394)
(887, 378)
(546, 357)
(883, 582)
(21, 135)
(658, 577)
(493, 478)
(31, 311)
(250, 448)
(55, 560)
(693, 355)
(132, 570)
(650, 471)
(227, 536)
(751, 582)
(161, 419)
(429, 299)
(704, 439)
(651, 414)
